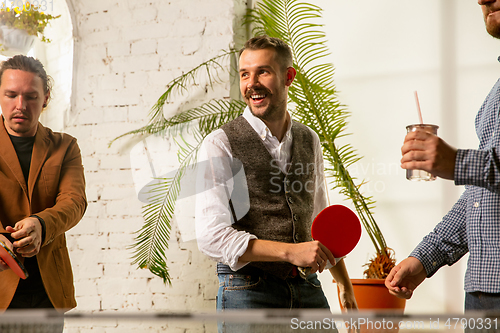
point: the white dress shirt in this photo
(216, 237)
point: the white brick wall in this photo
(126, 52)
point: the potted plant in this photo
(314, 99)
(20, 27)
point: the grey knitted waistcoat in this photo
(281, 206)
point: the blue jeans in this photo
(237, 291)
(482, 301)
(267, 291)
(477, 301)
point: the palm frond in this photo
(218, 113)
(210, 115)
(210, 71)
(152, 241)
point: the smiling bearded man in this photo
(258, 252)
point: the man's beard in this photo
(493, 30)
(491, 27)
(272, 111)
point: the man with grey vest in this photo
(261, 235)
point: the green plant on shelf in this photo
(28, 18)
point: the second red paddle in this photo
(11, 260)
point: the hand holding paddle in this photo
(28, 236)
(338, 229)
(313, 255)
(9, 260)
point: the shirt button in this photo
(295, 217)
(476, 204)
(297, 238)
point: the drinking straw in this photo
(418, 108)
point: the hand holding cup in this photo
(424, 150)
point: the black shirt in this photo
(24, 150)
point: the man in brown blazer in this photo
(42, 191)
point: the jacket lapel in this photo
(8, 154)
(40, 150)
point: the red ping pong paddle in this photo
(11, 260)
(338, 228)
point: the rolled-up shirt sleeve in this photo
(213, 218)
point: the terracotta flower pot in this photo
(371, 294)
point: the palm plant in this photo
(315, 102)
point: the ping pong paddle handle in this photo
(305, 271)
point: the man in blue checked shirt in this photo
(473, 224)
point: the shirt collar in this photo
(261, 128)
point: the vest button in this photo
(290, 200)
(297, 238)
(295, 217)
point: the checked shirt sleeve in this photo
(447, 243)
(478, 167)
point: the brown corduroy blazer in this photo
(56, 193)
